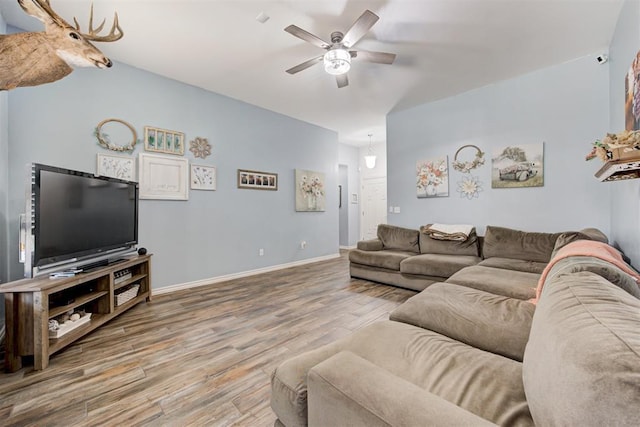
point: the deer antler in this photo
(115, 33)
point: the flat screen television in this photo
(75, 217)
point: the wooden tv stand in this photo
(31, 303)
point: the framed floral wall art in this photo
(203, 177)
(432, 178)
(310, 191)
(116, 167)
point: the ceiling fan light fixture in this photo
(337, 61)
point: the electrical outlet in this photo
(390, 209)
(396, 209)
(303, 244)
(261, 252)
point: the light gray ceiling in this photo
(443, 47)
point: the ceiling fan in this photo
(337, 59)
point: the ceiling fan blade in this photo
(359, 28)
(377, 57)
(342, 80)
(305, 65)
(307, 36)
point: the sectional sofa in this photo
(512, 259)
(471, 351)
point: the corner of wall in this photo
(4, 184)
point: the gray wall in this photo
(566, 106)
(348, 156)
(625, 209)
(213, 233)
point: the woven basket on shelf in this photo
(127, 295)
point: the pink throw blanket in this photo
(586, 248)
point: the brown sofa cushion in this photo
(436, 264)
(403, 239)
(487, 321)
(370, 245)
(595, 234)
(514, 284)
(514, 264)
(582, 362)
(449, 247)
(382, 259)
(508, 243)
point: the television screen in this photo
(77, 215)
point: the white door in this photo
(374, 206)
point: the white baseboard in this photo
(348, 247)
(218, 279)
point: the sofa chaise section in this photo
(471, 379)
(463, 356)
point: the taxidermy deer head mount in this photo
(35, 58)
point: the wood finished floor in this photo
(197, 357)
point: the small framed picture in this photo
(116, 167)
(255, 180)
(203, 177)
(163, 141)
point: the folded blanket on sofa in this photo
(456, 232)
(590, 248)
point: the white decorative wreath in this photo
(467, 167)
(103, 138)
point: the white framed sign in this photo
(163, 178)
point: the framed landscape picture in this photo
(163, 141)
(518, 166)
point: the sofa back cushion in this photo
(571, 236)
(582, 362)
(515, 244)
(449, 247)
(403, 239)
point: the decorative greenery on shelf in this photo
(603, 149)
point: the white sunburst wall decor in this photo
(470, 187)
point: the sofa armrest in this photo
(349, 390)
(370, 245)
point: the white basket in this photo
(127, 295)
(69, 326)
